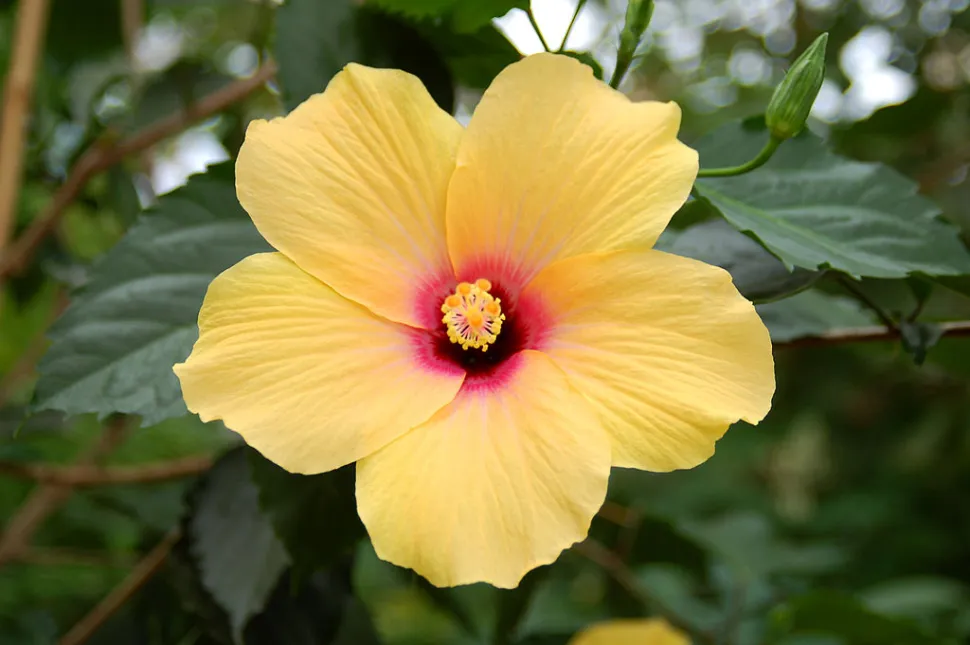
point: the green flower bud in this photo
(638, 14)
(793, 98)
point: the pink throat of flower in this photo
(483, 326)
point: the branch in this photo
(617, 569)
(56, 557)
(45, 499)
(101, 155)
(863, 334)
(28, 41)
(142, 573)
(80, 476)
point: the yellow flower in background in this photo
(474, 315)
(646, 631)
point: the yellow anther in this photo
(472, 316)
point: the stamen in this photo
(472, 316)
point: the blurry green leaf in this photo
(471, 16)
(172, 91)
(916, 597)
(513, 604)
(474, 58)
(81, 30)
(114, 348)
(566, 600)
(587, 59)
(357, 628)
(416, 8)
(239, 558)
(811, 313)
(315, 40)
(315, 516)
(919, 337)
(814, 209)
(757, 274)
(386, 41)
(303, 614)
(839, 614)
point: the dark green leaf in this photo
(814, 209)
(513, 605)
(317, 39)
(314, 40)
(357, 628)
(471, 16)
(315, 516)
(416, 8)
(238, 556)
(389, 42)
(114, 348)
(474, 58)
(839, 614)
(811, 313)
(757, 274)
(311, 614)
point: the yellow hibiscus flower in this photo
(474, 315)
(646, 631)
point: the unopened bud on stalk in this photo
(792, 101)
(638, 14)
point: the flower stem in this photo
(759, 160)
(622, 65)
(535, 27)
(569, 29)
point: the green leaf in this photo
(757, 274)
(471, 16)
(306, 614)
(513, 605)
(315, 40)
(811, 313)
(839, 614)
(315, 516)
(238, 556)
(416, 8)
(114, 348)
(474, 58)
(815, 209)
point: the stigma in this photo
(472, 316)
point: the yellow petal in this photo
(665, 348)
(555, 163)
(308, 378)
(495, 484)
(352, 187)
(647, 631)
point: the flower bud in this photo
(792, 101)
(638, 14)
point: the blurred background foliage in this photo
(843, 518)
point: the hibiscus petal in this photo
(666, 349)
(352, 187)
(310, 379)
(555, 163)
(634, 631)
(495, 484)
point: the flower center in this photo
(472, 316)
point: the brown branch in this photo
(142, 573)
(102, 155)
(46, 498)
(866, 334)
(612, 564)
(82, 476)
(28, 41)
